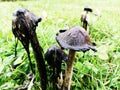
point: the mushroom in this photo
(96, 12)
(22, 22)
(85, 18)
(55, 56)
(24, 26)
(87, 9)
(74, 39)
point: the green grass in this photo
(96, 71)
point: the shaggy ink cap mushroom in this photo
(55, 54)
(87, 8)
(76, 39)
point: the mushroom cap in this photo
(76, 39)
(55, 54)
(87, 8)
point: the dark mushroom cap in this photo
(23, 13)
(76, 39)
(55, 54)
(87, 8)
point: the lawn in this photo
(96, 71)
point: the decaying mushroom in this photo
(96, 12)
(24, 24)
(21, 26)
(75, 39)
(55, 56)
(85, 18)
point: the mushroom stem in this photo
(39, 60)
(68, 71)
(86, 22)
(85, 25)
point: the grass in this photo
(96, 71)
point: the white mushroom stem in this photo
(68, 71)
